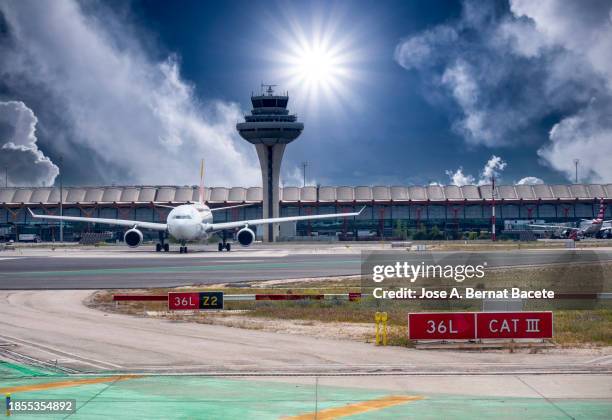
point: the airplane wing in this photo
(116, 222)
(231, 225)
(554, 227)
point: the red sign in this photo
(353, 296)
(514, 325)
(475, 325)
(183, 301)
(442, 326)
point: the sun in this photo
(315, 65)
(318, 63)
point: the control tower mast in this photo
(270, 128)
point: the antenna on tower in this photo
(269, 89)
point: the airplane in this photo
(192, 222)
(587, 227)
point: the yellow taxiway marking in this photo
(357, 408)
(65, 384)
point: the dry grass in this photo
(572, 328)
(575, 328)
(484, 245)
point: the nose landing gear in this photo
(183, 248)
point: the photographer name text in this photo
(457, 293)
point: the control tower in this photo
(270, 128)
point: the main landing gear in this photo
(227, 246)
(224, 245)
(162, 245)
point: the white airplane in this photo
(192, 223)
(587, 227)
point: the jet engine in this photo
(133, 238)
(245, 236)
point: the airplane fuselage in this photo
(590, 227)
(188, 222)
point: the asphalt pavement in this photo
(119, 267)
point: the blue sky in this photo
(429, 91)
(227, 50)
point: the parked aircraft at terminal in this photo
(192, 223)
(586, 228)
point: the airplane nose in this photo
(182, 230)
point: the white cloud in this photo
(494, 166)
(544, 61)
(416, 51)
(294, 177)
(19, 154)
(581, 28)
(586, 136)
(530, 180)
(134, 116)
(586, 34)
(461, 81)
(460, 179)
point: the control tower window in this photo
(269, 102)
(257, 103)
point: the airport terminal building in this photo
(390, 211)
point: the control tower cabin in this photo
(270, 128)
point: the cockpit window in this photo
(182, 216)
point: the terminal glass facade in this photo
(389, 213)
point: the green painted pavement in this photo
(185, 269)
(11, 370)
(193, 397)
(498, 408)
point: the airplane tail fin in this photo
(602, 210)
(201, 191)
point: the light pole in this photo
(6, 176)
(304, 165)
(576, 162)
(61, 161)
(493, 208)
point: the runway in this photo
(120, 267)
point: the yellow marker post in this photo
(377, 318)
(8, 404)
(384, 317)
